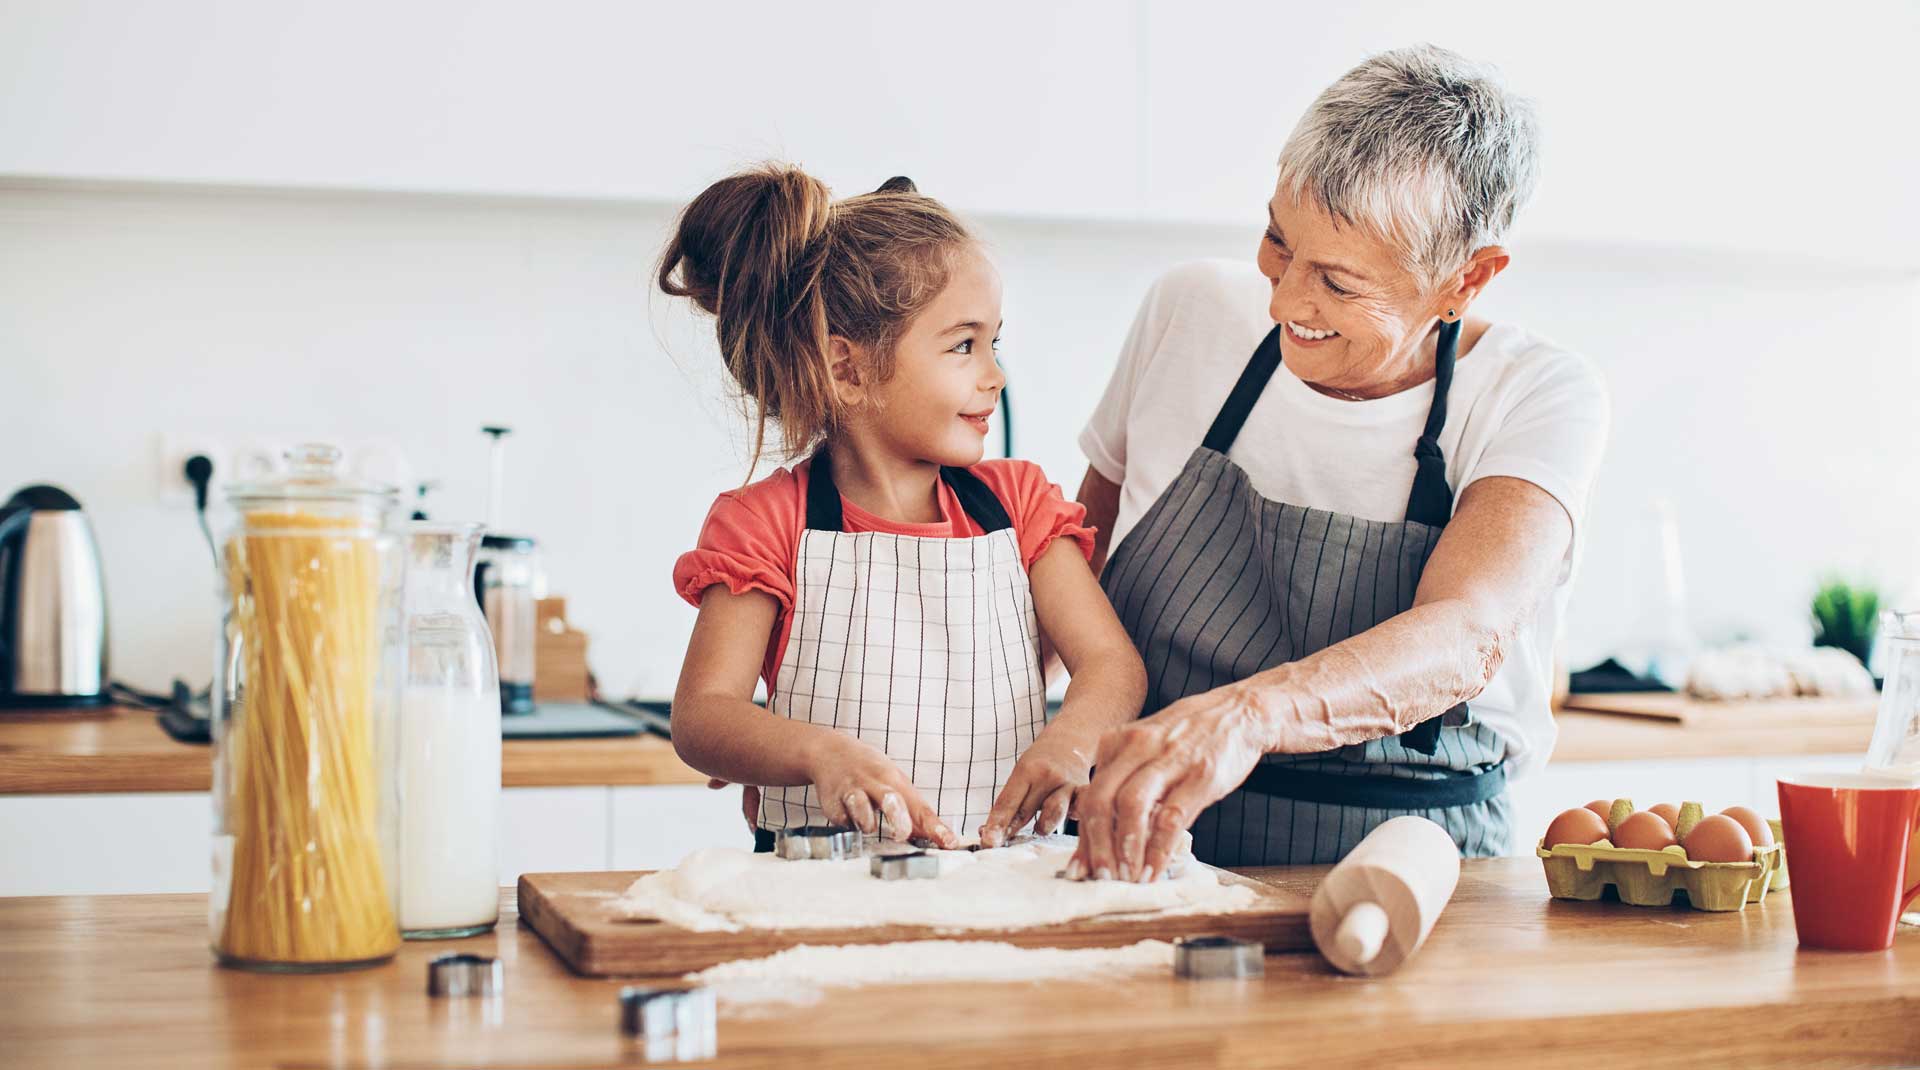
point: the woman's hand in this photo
(1155, 776)
(859, 785)
(1044, 782)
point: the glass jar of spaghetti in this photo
(305, 700)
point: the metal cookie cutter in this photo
(818, 841)
(464, 975)
(916, 865)
(1212, 957)
(666, 1012)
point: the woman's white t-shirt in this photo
(1520, 406)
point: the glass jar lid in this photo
(313, 474)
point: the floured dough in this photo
(1016, 887)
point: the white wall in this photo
(1770, 399)
(1750, 124)
(1726, 224)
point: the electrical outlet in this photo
(256, 459)
(171, 450)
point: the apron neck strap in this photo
(1253, 381)
(1431, 501)
(824, 512)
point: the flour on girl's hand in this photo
(726, 890)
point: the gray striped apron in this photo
(1216, 583)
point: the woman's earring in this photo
(1451, 314)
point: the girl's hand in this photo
(1044, 782)
(859, 785)
(1156, 775)
(1108, 686)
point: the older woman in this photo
(1345, 510)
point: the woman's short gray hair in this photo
(1423, 148)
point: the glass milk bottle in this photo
(1895, 750)
(449, 743)
(305, 685)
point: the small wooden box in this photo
(560, 672)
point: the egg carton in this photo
(1645, 878)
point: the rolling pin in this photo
(1375, 908)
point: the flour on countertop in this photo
(1016, 887)
(794, 976)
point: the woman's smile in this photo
(1307, 336)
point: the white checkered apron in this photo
(928, 649)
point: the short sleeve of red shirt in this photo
(747, 542)
(1041, 513)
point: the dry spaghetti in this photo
(301, 749)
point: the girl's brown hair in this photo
(782, 267)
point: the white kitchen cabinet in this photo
(655, 827)
(1768, 772)
(105, 844)
(127, 843)
(553, 830)
(1004, 106)
(1077, 109)
(1684, 151)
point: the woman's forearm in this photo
(1381, 682)
(1498, 559)
(735, 740)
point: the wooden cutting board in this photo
(1678, 708)
(573, 913)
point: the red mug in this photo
(1849, 838)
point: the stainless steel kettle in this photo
(53, 606)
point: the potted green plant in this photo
(1846, 615)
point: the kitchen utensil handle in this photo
(13, 525)
(480, 586)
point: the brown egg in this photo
(1644, 831)
(1719, 839)
(1576, 826)
(1668, 811)
(1603, 807)
(1756, 826)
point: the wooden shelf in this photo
(1758, 729)
(122, 750)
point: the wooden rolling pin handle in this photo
(1361, 932)
(1375, 908)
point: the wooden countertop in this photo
(1508, 978)
(122, 749)
(1758, 729)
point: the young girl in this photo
(892, 589)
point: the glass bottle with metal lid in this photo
(304, 704)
